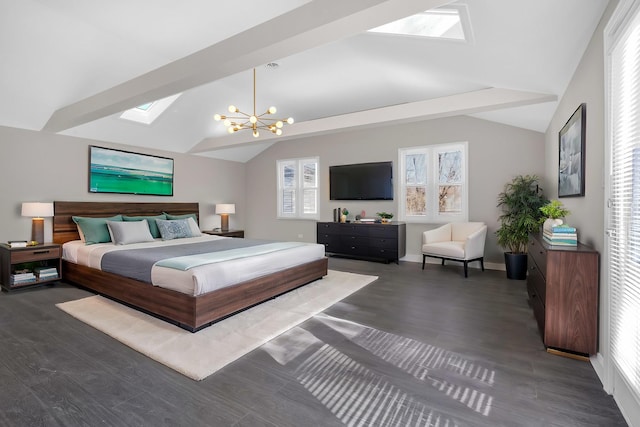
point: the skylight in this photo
(148, 112)
(442, 23)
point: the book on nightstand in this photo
(17, 243)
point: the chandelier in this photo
(253, 121)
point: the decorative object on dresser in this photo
(554, 213)
(224, 209)
(563, 291)
(520, 203)
(37, 211)
(456, 241)
(384, 242)
(385, 217)
(228, 233)
(29, 266)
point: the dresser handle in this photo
(40, 252)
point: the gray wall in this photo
(42, 167)
(496, 153)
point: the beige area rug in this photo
(198, 355)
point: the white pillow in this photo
(193, 226)
(124, 233)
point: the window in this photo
(624, 194)
(298, 188)
(450, 22)
(148, 112)
(433, 183)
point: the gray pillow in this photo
(173, 228)
(124, 233)
(153, 227)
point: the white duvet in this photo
(205, 278)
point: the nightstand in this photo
(31, 266)
(228, 233)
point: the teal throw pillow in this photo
(95, 230)
(185, 216)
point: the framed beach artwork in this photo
(124, 172)
(572, 155)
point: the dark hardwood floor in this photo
(413, 348)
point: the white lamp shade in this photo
(37, 209)
(225, 208)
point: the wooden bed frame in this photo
(189, 312)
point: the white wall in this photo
(496, 153)
(41, 167)
(588, 213)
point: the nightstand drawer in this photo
(35, 254)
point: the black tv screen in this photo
(364, 181)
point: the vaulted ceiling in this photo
(73, 66)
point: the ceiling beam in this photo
(310, 25)
(466, 103)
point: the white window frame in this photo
(432, 214)
(299, 188)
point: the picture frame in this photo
(571, 155)
(126, 172)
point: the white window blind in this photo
(624, 242)
(298, 188)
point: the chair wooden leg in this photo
(465, 269)
(442, 261)
(424, 257)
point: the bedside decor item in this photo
(343, 215)
(124, 172)
(224, 209)
(571, 155)
(520, 203)
(384, 216)
(37, 211)
(253, 121)
(554, 212)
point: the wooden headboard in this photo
(64, 229)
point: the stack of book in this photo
(19, 278)
(561, 235)
(46, 273)
(17, 243)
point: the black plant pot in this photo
(516, 265)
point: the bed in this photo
(189, 311)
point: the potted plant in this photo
(384, 216)
(520, 202)
(553, 212)
(343, 215)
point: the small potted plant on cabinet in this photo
(553, 213)
(343, 215)
(520, 202)
(384, 216)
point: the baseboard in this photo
(487, 265)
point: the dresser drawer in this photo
(384, 243)
(538, 254)
(536, 285)
(382, 231)
(390, 254)
(328, 228)
(328, 239)
(35, 254)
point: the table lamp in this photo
(37, 211)
(224, 209)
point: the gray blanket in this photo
(137, 263)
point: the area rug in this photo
(198, 355)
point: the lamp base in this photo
(37, 230)
(224, 222)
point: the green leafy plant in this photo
(384, 215)
(554, 210)
(345, 211)
(520, 202)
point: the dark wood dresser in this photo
(562, 284)
(374, 241)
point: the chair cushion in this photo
(445, 249)
(462, 230)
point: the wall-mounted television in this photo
(363, 181)
(117, 171)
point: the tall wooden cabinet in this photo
(562, 284)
